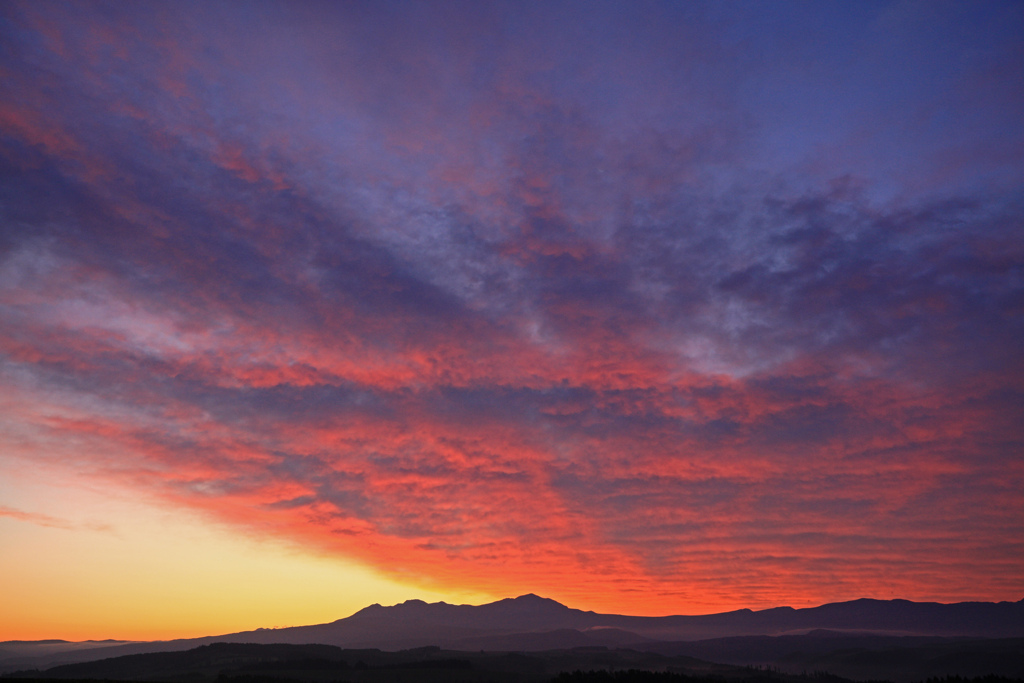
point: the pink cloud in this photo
(503, 337)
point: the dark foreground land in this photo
(281, 663)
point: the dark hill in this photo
(251, 663)
(533, 623)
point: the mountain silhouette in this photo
(533, 623)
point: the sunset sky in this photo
(649, 308)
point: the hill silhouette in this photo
(255, 663)
(530, 623)
(415, 623)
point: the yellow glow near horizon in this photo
(88, 564)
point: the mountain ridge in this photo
(532, 622)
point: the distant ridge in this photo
(531, 622)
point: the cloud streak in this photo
(48, 520)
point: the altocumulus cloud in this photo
(620, 304)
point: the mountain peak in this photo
(531, 601)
